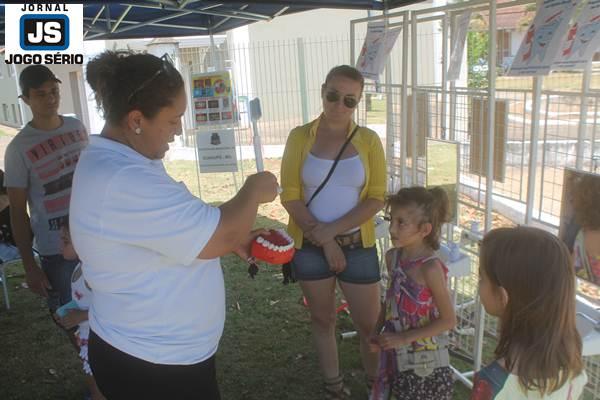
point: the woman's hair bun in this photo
(101, 69)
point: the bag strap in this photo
(335, 162)
(395, 316)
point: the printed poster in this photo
(582, 39)
(376, 49)
(216, 151)
(542, 42)
(212, 97)
(458, 47)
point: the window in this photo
(14, 113)
(5, 109)
(503, 49)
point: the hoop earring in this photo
(138, 131)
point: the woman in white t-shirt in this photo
(150, 248)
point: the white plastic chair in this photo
(9, 254)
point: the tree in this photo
(477, 56)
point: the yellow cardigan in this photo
(369, 148)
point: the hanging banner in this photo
(458, 47)
(212, 97)
(582, 39)
(216, 151)
(376, 49)
(543, 39)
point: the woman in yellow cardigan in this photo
(334, 233)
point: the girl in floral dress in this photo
(418, 311)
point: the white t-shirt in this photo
(138, 232)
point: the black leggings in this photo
(121, 376)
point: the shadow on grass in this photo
(265, 353)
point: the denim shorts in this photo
(362, 265)
(59, 271)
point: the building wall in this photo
(516, 38)
(294, 49)
(9, 97)
(313, 24)
(190, 54)
(287, 59)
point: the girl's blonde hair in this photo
(433, 204)
(538, 337)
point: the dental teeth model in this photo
(275, 247)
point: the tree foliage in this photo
(477, 55)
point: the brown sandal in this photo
(335, 390)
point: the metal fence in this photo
(526, 186)
(286, 75)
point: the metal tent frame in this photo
(127, 19)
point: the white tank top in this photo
(341, 193)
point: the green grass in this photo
(266, 351)
(216, 186)
(377, 114)
(38, 362)
(442, 170)
(562, 81)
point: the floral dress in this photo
(587, 266)
(82, 295)
(415, 309)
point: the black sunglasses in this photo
(164, 68)
(333, 97)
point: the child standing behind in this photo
(418, 311)
(586, 249)
(81, 294)
(526, 278)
